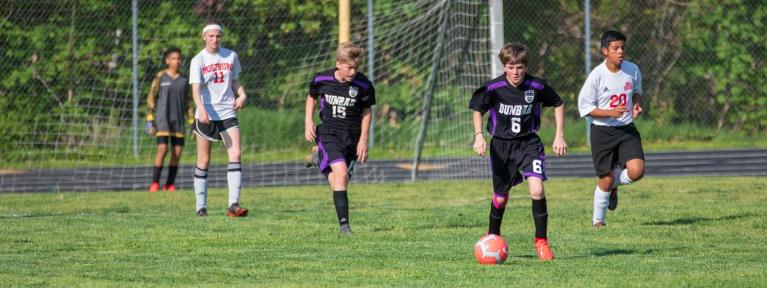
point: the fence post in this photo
(135, 77)
(371, 72)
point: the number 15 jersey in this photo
(515, 112)
(341, 104)
(606, 90)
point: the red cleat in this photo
(236, 211)
(169, 188)
(543, 250)
(154, 187)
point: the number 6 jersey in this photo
(341, 104)
(214, 73)
(606, 90)
(515, 112)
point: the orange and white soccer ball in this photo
(491, 249)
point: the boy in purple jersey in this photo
(514, 101)
(610, 97)
(345, 98)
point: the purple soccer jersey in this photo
(515, 112)
(341, 104)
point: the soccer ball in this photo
(491, 249)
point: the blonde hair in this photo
(513, 53)
(349, 53)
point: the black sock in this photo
(172, 170)
(156, 174)
(496, 217)
(342, 206)
(541, 217)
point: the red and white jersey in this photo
(606, 90)
(215, 72)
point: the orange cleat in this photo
(169, 188)
(236, 211)
(154, 187)
(543, 250)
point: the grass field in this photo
(667, 232)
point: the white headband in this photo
(212, 27)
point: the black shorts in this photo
(512, 161)
(212, 130)
(175, 141)
(336, 145)
(614, 146)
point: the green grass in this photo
(667, 232)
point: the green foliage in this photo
(656, 238)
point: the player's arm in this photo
(637, 109)
(479, 139)
(154, 89)
(362, 145)
(309, 132)
(239, 103)
(616, 112)
(560, 146)
(202, 115)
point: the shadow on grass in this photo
(696, 220)
(609, 252)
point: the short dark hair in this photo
(611, 36)
(171, 49)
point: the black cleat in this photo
(202, 212)
(613, 199)
(345, 229)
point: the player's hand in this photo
(637, 110)
(239, 103)
(150, 129)
(202, 115)
(309, 131)
(479, 144)
(618, 111)
(560, 146)
(362, 151)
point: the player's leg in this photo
(175, 156)
(604, 155)
(201, 176)
(503, 177)
(339, 181)
(162, 150)
(631, 155)
(534, 170)
(231, 138)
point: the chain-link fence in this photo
(67, 96)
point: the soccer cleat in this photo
(313, 159)
(599, 224)
(236, 211)
(345, 229)
(613, 199)
(154, 187)
(169, 188)
(202, 212)
(543, 250)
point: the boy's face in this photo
(212, 38)
(173, 61)
(515, 72)
(614, 52)
(345, 72)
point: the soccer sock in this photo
(622, 177)
(497, 208)
(156, 174)
(341, 201)
(172, 171)
(601, 199)
(541, 217)
(234, 179)
(201, 187)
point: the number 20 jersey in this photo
(341, 104)
(515, 112)
(606, 90)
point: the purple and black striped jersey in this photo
(515, 112)
(341, 104)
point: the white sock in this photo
(601, 199)
(621, 177)
(201, 187)
(234, 179)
